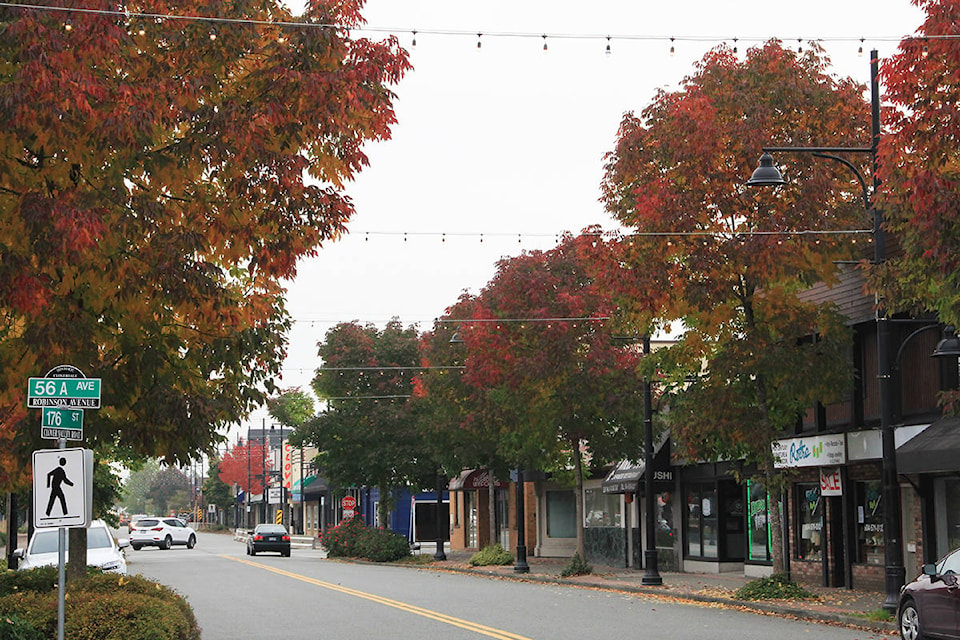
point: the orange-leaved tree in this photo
(733, 262)
(243, 465)
(159, 180)
(540, 347)
(920, 171)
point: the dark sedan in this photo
(269, 537)
(930, 605)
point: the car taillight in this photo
(157, 529)
(286, 538)
(258, 537)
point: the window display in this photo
(809, 522)
(870, 522)
(601, 509)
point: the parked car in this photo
(103, 551)
(269, 537)
(930, 605)
(162, 532)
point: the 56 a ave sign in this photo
(78, 393)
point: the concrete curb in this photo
(798, 612)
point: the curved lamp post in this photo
(768, 175)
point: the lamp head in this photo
(949, 346)
(767, 174)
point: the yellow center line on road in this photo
(396, 604)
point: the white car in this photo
(160, 532)
(102, 550)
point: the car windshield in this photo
(46, 541)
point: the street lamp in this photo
(651, 575)
(768, 175)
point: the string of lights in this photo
(607, 38)
(444, 235)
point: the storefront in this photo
(470, 511)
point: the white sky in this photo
(508, 140)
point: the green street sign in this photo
(63, 423)
(79, 393)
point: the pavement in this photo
(838, 606)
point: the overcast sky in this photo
(501, 147)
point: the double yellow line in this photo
(396, 604)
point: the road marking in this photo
(396, 604)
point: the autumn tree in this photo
(541, 348)
(243, 465)
(366, 434)
(734, 262)
(157, 187)
(919, 162)
(459, 425)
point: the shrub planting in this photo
(343, 540)
(775, 587)
(383, 545)
(490, 556)
(96, 606)
(576, 567)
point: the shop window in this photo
(809, 522)
(472, 519)
(702, 514)
(758, 523)
(665, 528)
(870, 522)
(601, 509)
(561, 514)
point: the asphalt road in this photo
(308, 597)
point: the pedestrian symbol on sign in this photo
(55, 479)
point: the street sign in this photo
(59, 422)
(62, 487)
(274, 495)
(349, 503)
(80, 393)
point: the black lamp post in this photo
(768, 175)
(520, 565)
(651, 575)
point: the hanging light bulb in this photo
(414, 38)
(673, 50)
(478, 40)
(68, 26)
(734, 46)
(544, 42)
(213, 35)
(799, 45)
(860, 50)
(141, 31)
(608, 52)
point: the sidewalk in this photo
(835, 606)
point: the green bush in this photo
(41, 580)
(492, 555)
(13, 628)
(343, 540)
(383, 545)
(576, 567)
(775, 587)
(98, 606)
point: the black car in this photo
(269, 537)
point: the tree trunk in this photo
(492, 508)
(77, 559)
(578, 498)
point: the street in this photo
(306, 596)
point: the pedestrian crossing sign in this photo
(62, 488)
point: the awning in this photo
(313, 485)
(627, 475)
(934, 450)
(473, 480)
